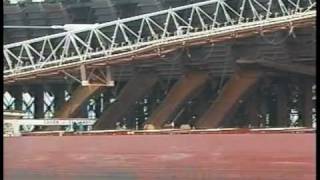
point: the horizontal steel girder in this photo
(307, 70)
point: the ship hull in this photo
(182, 156)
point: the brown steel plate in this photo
(242, 156)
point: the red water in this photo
(189, 156)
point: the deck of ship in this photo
(224, 155)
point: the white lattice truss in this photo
(134, 37)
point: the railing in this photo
(12, 127)
(51, 122)
(132, 34)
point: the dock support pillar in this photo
(140, 85)
(77, 103)
(226, 104)
(190, 83)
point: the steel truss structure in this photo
(154, 33)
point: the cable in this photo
(66, 27)
(33, 27)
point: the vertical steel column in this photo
(138, 115)
(282, 112)
(271, 101)
(83, 110)
(98, 104)
(252, 109)
(59, 100)
(240, 118)
(264, 93)
(38, 93)
(107, 95)
(59, 95)
(307, 103)
(16, 92)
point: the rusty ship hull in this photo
(232, 155)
